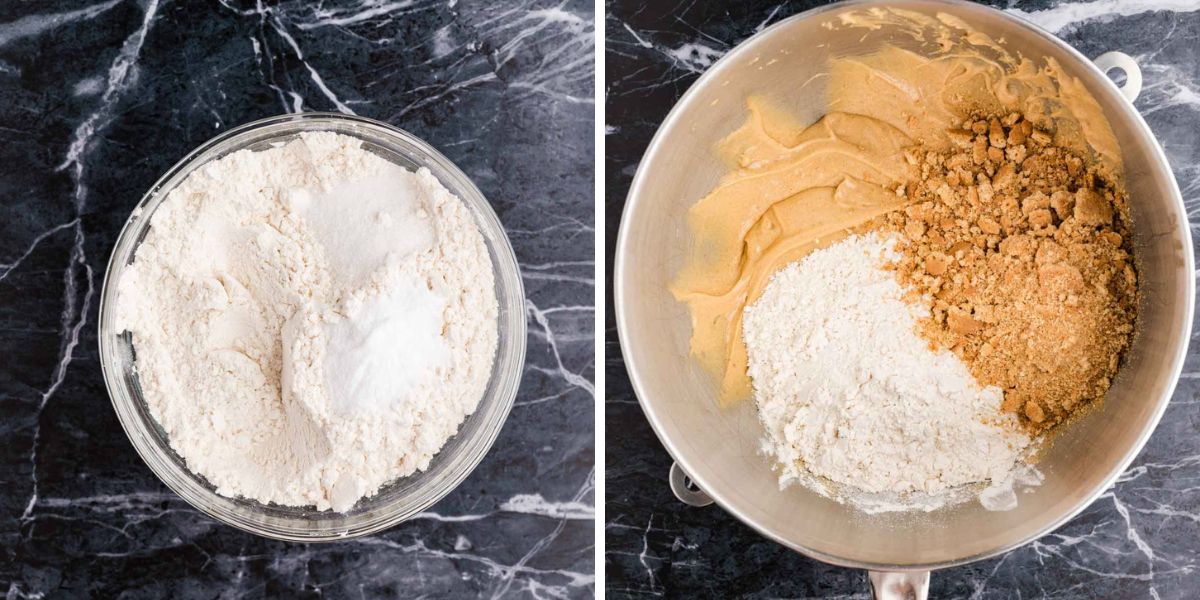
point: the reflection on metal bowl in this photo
(719, 447)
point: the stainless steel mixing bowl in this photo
(719, 448)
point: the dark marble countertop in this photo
(1139, 540)
(102, 97)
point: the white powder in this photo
(854, 402)
(310, 321)
(363, 351)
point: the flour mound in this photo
(854, 402)
(310, 321)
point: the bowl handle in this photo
(1133, 75)
(899, 585)
(885, 585)
(685, 489)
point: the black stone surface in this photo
(101, 98)
(1139, 540)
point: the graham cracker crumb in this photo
(1023, 254)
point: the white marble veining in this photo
(143, 87)
(1065, 15)
(33, 25)
(1139, 539)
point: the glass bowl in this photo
(397, 500)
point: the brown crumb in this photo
(1023, 253)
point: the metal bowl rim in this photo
(718, 495)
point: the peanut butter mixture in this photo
(797, 189)
(1023, 250)
(797, 184)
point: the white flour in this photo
(310, 321)
(854, 402)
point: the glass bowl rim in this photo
(495, 405)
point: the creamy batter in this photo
(793, 187)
